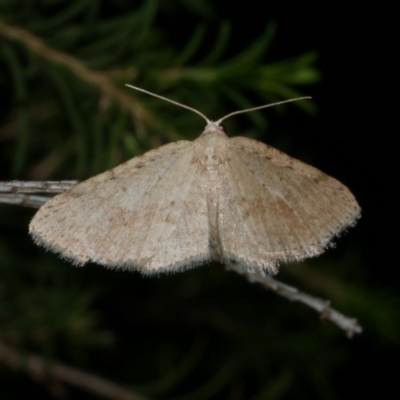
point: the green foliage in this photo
(205, 334)
(58, 134)
(46, 311)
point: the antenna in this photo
(171, 101)
(260, 107)
(226, 116)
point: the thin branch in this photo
(349, 325)
(36, 186)
(94, 78)
(15, 190)
(22, 193)
(39, 367)
(24, 200)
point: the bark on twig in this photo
(36, 186)
(16, 192)
(25, 200)
(349, 325)
(22, 193)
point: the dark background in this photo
(249, 343)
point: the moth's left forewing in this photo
(284, 209)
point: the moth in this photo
(229, 200)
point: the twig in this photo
(21, 192)
(349, 325)
(16, 188)
(25, 200)
(95, 78)
(36, 186)
(39, 367)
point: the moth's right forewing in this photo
(147, 214)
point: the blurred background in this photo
(206, 333)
